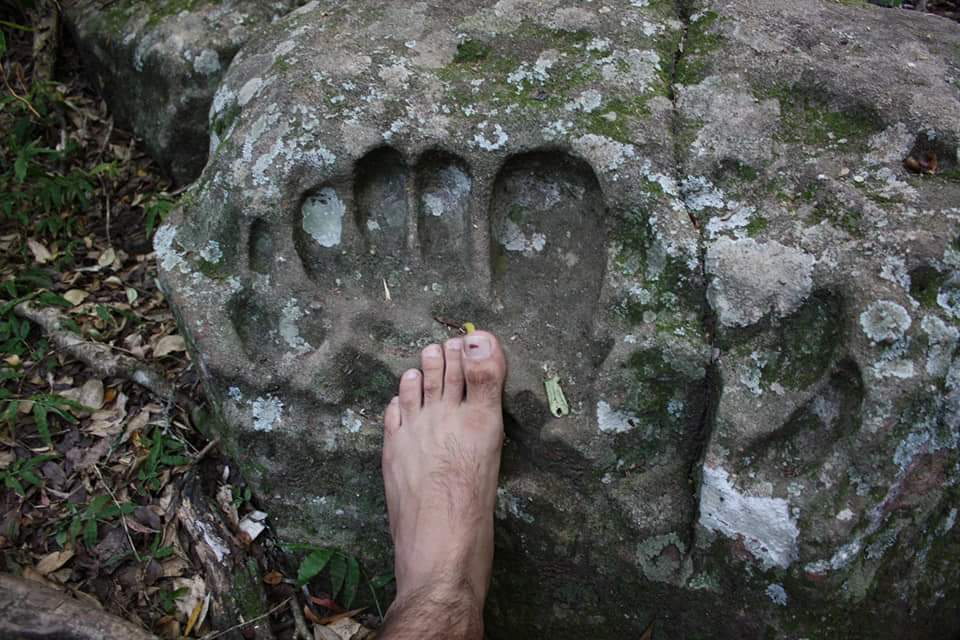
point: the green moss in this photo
(471, 51)
(925, 284)
(807, 118)
(756, 226)
(808, 340)
(281, 65)
(226, 119)
(700, 40)
(247, 593)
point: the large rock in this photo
(700, 221)
(158, 63)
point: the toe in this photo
(453, 373)
(484, 368)
(411, 395)
(431, 362)
(391, 416)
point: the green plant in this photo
(156, 210)
(85, 521)
(241, 496)
(168, 599)
(343, 571)
(164, 451)
(22, 472)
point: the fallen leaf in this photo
(89, 394)
(132, 295)
(648, 632)
(75, 296)
(273, 578)
(6, 459)
(13, 361)
(53, 561)
(40, 253)
(196, 591)
(173, 568)
(106, 258)
(252, 524)
(225, 501)
(345, 628)
(169, 344)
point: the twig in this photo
(299, 621)
(247, 623)
(123, 518)
(206, 449)
(100, 358)
(21, 98)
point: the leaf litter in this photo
(93, 468)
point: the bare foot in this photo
(441, 458)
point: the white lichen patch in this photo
(894, 269)
(167, 254)
(290, 315)
(267, 412)
(603, 152)
(942, 340)
(949, 300)
(448, 194)
(207, 62)
(750, 280)
(777, 594)
(510, 505)
(537, 73)
(610, 420)
(350, 421)
(512, 238)
(323, 217)
(497, 139)
(211, 252)
(765, 525)
(587, 102)
(885, 321)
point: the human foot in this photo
(441, 458)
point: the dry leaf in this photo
(53, 561)
(196, 592)
(169, 344)
(273, 578)
(6, 459)
(106, 258)
(225, 501)
(252, 524)
(173, 568)
(90, 394)
(40, 253)
(345, 628)
(13, 361)
(75, 296)
(132, 295)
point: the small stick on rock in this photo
(99, 357)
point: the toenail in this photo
(477, 346)
(433, 351)
(413, 374)
(455, 344)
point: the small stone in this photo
(844, 172)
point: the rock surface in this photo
(158, 63)
(699, 219)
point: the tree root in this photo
(99, 357)
(32, 610)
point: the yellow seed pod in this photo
(469, 327)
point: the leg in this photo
(441, 458)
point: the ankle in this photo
(448, 609)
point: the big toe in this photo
(484, 368)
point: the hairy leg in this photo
(441, 458)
